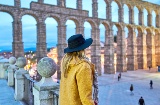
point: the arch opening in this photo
(114, 11)
(102, 42)
(70, 28)
(26, 3)
(145, 17)
(6, 37)
(136, 13)
(102, 9)
(71, 5)
(153, 18)
(87, 5)
(126, 13)
(29, 33)
(115, 34)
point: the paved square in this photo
(114, 92)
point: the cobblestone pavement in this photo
(7, 94)
(114, 92)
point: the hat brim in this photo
(87, 43)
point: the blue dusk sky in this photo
(29, 31)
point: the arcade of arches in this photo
(142, 50)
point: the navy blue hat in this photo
(77, 43)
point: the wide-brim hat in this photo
(77, 43)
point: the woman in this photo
(76, 73)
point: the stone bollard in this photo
(42, 90)
(3, 67)
(11, 70)
(19, 79)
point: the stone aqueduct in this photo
(140, 50)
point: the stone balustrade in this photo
(11, 69)
(3, 66)
(33, 92)
(42, 90)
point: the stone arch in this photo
(29, 12)
(10, 12)
(139, 29)
(119, 26)
(149, 30)
(92, 23)
(118, 3)
(106, 24)
(55, 16)
(107, 2)
(73, 18)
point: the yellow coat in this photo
(76, 89)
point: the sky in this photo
(29, 31)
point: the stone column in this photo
(121, 51)
(153, 52)
(11, 69)
(149, 19)
(79, 4)
(96, 49)
(157, 47)
(109, 12)
(61, 3)
(80, 30)
(42, 90)
(17, 3)
(121, 14)
(109, 52)
(60, 46)
(19, 79)
(158, 21)
(141, 51)
(150, 50)
(17, 44)
(40, 1)
(41, 41)
(132, 50)
(141, 17)
(94, 8)
(131, 15)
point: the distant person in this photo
(149, 67)
(141, 101)
(131, 89)
(151, 84)
(119, 77)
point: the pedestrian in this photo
(131, 89)
(151, 84)
(77, 73)
(141, 101)
(149, 67)
(118, 77)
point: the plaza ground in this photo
(114, 92)
(111, 91)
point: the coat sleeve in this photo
(84, 79)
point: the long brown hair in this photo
(68, 57)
